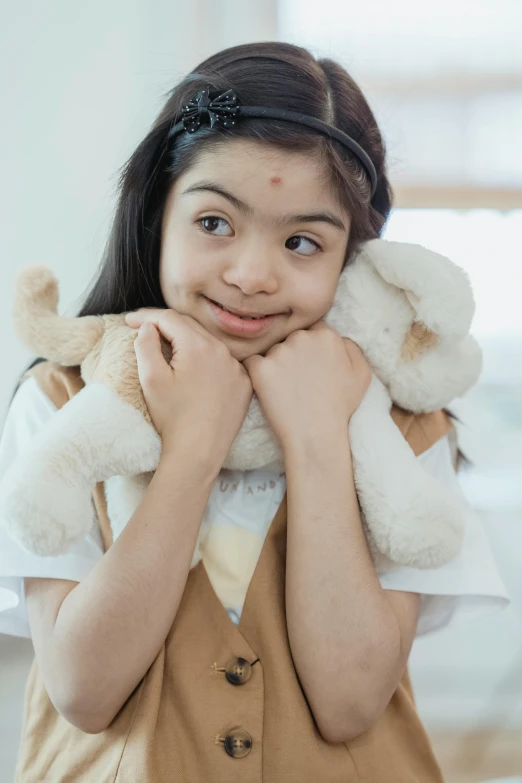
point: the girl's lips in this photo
(239, 327)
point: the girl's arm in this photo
(94, 646)
(95, 640)
(350, 639)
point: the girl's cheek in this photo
(177, 270)
(314, 301)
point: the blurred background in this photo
(80, 84)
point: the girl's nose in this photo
(253, 273)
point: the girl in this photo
(282, 656)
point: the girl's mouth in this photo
(240, 326)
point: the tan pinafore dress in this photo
(222, 703)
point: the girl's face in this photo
(254, 230)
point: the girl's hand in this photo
(201, 398)
(310, 384)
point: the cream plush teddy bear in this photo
(408, 308)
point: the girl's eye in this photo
(220, 227)
(214, 225)
(302, 245)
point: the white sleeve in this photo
(468, 586)
(30, 410)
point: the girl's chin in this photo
(241, 353)
(247, 349)
(242, 350)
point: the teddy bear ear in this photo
(438, 290)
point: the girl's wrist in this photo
(318, 446)
(197, 466)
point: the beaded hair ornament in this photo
(225, 110)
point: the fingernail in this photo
(144, 328)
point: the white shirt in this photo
(241, 506)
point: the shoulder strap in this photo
(60, 384)
(422, 430)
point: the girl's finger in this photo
(252, 363)
(146, 316)
(356, 356)
(351, 346)
(151, 362)
(137, 317)
(171, 325)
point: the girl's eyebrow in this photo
(319, 217)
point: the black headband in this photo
(225, 109)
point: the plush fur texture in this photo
(409, 310)
(96, 435)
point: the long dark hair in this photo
(275, 74)
(262, 74)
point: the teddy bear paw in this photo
(51, 528)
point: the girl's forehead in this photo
(247, 165)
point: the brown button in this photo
(238, 743)
(238, 671)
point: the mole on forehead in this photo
(275, 180)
